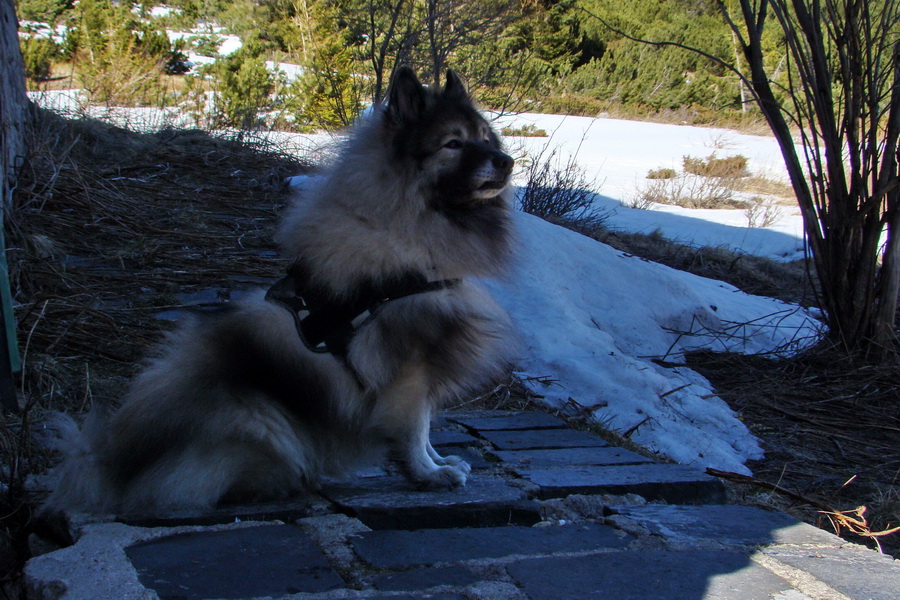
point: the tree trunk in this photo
(737, 63)
(847, 199)
(13, 100)
(13, 112)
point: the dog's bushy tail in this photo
(79, 483)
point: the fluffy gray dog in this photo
(375, 326)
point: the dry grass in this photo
(704, 183)
(760, 185)
(713, 182)
(829, 426)
(109, 228)
(786, 281)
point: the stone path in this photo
(549, 513)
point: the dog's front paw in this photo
(450, 476)
(455, 461)
(447, 476)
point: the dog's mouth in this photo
(495, 184)
(489, 189)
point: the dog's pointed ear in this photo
(406, 97)
(454, 88)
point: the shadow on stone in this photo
(241, 563)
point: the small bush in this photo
(728, 167)
(207, 45)
(570, 104)
(705, 183)
(122, 78)
(762, 213)
(245, 87)
(193, 100)
(38, 54)
(559, 191)
(688, 191)
(529, 130)
(663, 173)
(45, 11)
(118, 61)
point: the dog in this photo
(376, 325)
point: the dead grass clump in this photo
(761, 185)
(662, 173)
(704, 183)
(787, 281)
(109, 226)
(512, 393)
(829, 426)
(728, 167)
(528, 130)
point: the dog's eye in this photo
(453, 144)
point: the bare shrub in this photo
(559, 190)
(762, 213)
(687, 191)
(643, 200)
(721, 141)
(705, 183)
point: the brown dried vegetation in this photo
(110, 228)
(829, 426)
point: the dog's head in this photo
(450, 148)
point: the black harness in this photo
(328, 326)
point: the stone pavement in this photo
(549, 513)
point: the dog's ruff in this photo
(236, 406)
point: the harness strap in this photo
(326, 325)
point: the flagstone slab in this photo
(853, 570)
(425, 578)
(566, 457)
(395, 549)
(393, 502)
(240, 563)
(285, 510)
(525, 420)
(674, 484)
(450, 438)
(689, 575)
(724, 524)
(530, 439)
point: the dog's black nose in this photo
(502, 162)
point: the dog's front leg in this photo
(403, 412)
(447, 460)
